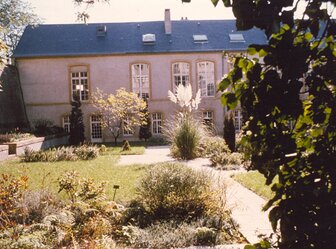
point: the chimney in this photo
(167, 22)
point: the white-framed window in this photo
(181, 74)
(96, 128)
(127, 132)
(140, 79)
(156, 123)
(238, 120)
(206, 78)
(80, 84)
(208, 117)
(66, 123)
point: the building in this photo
(149, 58)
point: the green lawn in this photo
(255, 181)
(104, 168)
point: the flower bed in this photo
(38, 143)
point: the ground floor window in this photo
(156, 123)
(96, 128)
(66, 123)
(238, 120)
(207, 117)
(127, 129)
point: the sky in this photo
(64, 11)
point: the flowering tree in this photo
(122, 110)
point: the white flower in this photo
(183, 97)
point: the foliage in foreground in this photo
(87, 219)
(288, 91)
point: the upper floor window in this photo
(140, 80)
(66, 123)
(206, 78)
(181, 74)
(80, 82)
(156, 123)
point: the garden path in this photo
(246, 206)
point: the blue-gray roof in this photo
(126, 38)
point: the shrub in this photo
(161, 235)
(11, 193)
(225, 160)
(14, 136)
(206, 236)
(38, 204)
(209, 145)
(185, 134)
(230, 132)
(145, 128)
(171, 190)
(83, 152)
(126, 146)
(86, 152)
(216, 149)
(76, 122)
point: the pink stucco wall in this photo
(46, 83)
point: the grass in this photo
(255, 181)
(104, 168)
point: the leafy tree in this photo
(116, 108)
(289, 94)
(145, 129)
(76, 122)
(15, 15)
(230, 132)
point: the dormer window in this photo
(236, 38)
(200, 38)
(148, 39)
(101, 30)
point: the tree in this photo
(76, 122)
(15, 15)
(289, 95)
(83, 15)
(119, 111)
(230, 132)
(145, 129)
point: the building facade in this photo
(148, 58)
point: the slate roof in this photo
(126, 38)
